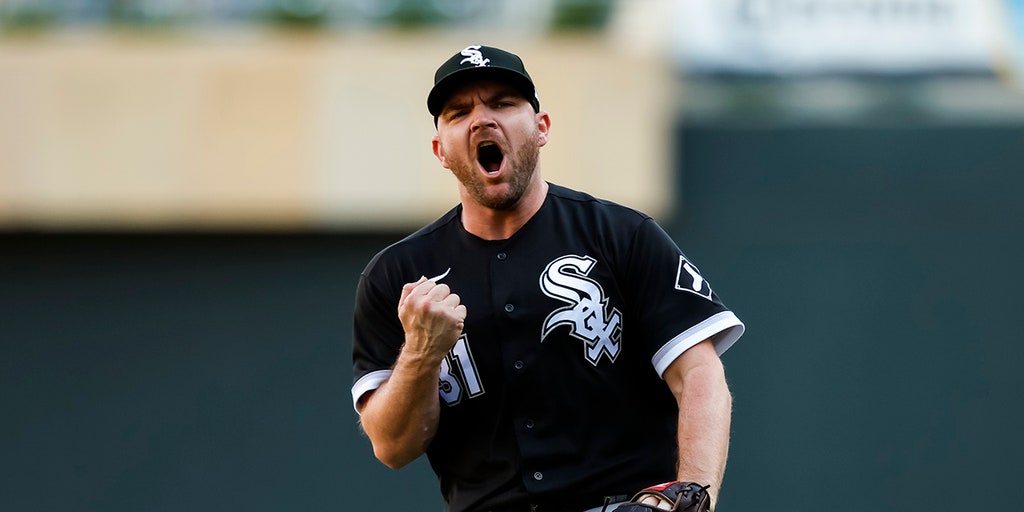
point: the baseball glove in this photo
(680, 496)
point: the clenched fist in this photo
(432, 317)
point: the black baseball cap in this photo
(480, 63)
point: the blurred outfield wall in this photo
(262, 129)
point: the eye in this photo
(500, 102)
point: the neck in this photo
(491, 224)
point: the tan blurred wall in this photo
(250, 129)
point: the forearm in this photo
(697, 380)
(401, 416)
(705, 416)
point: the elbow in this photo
(397, 439)
(705, 381)
(698, 368)
(397, 449)
(393, 459)
(393, 452)
(710, 379)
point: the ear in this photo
(543, 127)
(435, 142)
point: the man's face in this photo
(489, 136)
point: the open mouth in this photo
(490, 157)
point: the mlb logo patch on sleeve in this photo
(688, 279)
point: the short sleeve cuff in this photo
(367, 383)
(723, 328)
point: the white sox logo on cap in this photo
(474, 56)
(479, 62)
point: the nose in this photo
(482, 118)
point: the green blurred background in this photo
(863, 218)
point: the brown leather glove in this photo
(680, 496)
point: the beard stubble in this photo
(521, 167)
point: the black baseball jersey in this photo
(553, 393)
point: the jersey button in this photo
(538, 476)
(502, 256)
(518, 365)
(509, 308)
(529, 423)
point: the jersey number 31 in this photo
(459, 374)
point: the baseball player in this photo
(548, 351)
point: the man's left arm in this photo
(697, 379)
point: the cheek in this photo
(442, 150)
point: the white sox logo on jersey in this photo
(473, 56)
(688, 279)
(566, 279)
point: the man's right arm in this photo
(401, 416)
